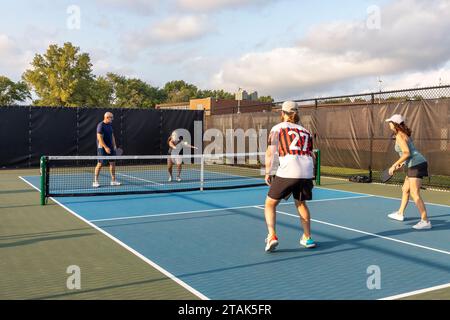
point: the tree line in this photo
(63, 76)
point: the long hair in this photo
(402, 127)
(292, 117)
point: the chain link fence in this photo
(352, 134)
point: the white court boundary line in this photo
(416, 292)
(365, 232)
(169, 214)
(212, 210)
(387, 184)
(346, 191)
(428, 203)
(194, 291)
(407, 294)
(136, 253)
(140, 179)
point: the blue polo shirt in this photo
(107, 131)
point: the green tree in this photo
(336, 101)
(12, 92)
(217, 94)
(61, 77)
(101, 93)
(268, 99)
(180, 91)
(118, 91)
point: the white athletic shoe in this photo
(178, 179)
(271, 243)
(170, 179)
(95, 184)
(422, 225)
(396, 216)
(115, 183)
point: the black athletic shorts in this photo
(282, 188)
(102, 153)
(418, 171)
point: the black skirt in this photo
(418, 171)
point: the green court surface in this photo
(38, 243)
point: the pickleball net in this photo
(65, 176)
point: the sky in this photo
(289, 49)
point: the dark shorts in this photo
(418, 171)
(282, 188)
(101, 152)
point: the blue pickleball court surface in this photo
(213, 242)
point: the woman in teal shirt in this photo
(416, 168)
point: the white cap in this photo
(289, 106)
(396, 118)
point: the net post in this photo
(43, 166)
(202, 171)
(318, 167)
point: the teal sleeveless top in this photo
(415, 156)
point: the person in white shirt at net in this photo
(176, 144)
(294, 176)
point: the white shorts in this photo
(177, 159)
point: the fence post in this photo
(43, 180)
(371, 141)
(318, 173)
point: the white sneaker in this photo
(307, 242)
(115, 183)
(396, 216)
(271, 243)
(178, 179)
(95, 184)
(170, 179)
(421, 225)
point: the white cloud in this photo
(413, 39)
(103, 61)
(13, 59)
(180, 28)
(141, 7)
(171, 30)
(214, 5)
(440, 76)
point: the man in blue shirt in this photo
(106, 146)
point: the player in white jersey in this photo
(294, 146)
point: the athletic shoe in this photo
(307, 242)
(170, 179)
(271, 243)
(115, 183)
(95, 184)
(396, 216)
(178, 179)
(422, 225)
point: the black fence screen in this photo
(27, 133)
